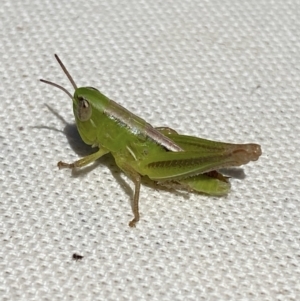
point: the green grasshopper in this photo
(169, 158)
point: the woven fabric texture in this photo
(226, 70)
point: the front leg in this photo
(85, 160)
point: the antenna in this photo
(68, 76)
(65, 71)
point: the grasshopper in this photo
(140, 149)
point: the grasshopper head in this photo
(88, 105)
(87, 100)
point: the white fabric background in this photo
(223, 70)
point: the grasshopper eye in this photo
(84, 110)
